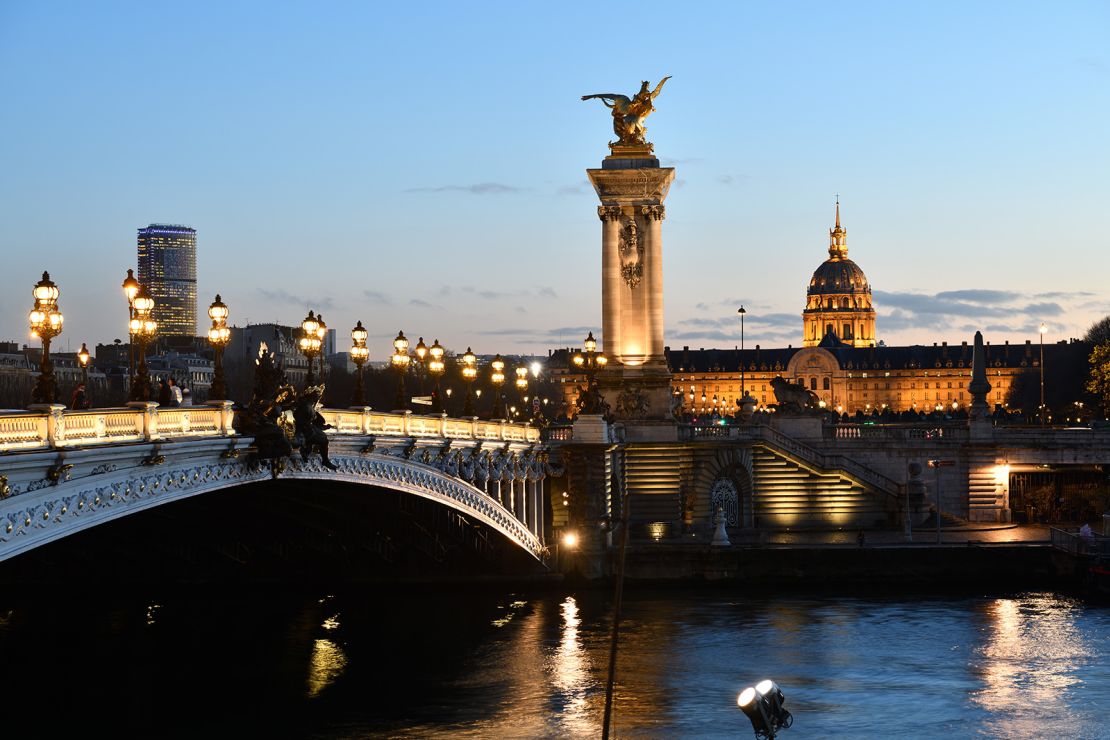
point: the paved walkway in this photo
(995, 534)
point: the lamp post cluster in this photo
(46, 323)
(400, 360)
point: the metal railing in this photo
(54, 426)
(1070, 541)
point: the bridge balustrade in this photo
(896, 432)
(54, 426)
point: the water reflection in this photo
(569, 668)
(1031, 665)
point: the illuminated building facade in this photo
(839, 360)
(168, 269)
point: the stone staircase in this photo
(790, 493)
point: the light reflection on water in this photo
(406, 665)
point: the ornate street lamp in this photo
(218, 336)
(436, 368)
(469, 373)
(591, 361)
(83, 358)
(360, 353)
(497, 378)
(143, 329)
(522, 385)
(46, 323)
(130, 290)
(400, 361)
(321, 336)
(309, 343)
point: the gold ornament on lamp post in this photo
(591, 361)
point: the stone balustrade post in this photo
(225, 417)
(55, 421)
(443, 425)
(406, 425)
(474, 427)
(146, 422)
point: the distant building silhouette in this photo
(168, 269)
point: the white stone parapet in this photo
(53, 427)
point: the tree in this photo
(1099, 333)
(1099, 383)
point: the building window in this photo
(813, 384)
(825, 384)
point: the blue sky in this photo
(421, 166)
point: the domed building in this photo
(838, 301)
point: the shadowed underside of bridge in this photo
(287, 530)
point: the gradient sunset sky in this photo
(421, 166)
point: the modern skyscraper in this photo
(168, 269)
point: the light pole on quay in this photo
(1044, 411)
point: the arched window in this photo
(828, 303)
(825, 384)
(813, 384)
(847, 331)
(844, 302)
(829, 329)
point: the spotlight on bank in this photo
(763, 704)
(570, 540)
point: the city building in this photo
(839, 359)
(281, 341)
(168, 269)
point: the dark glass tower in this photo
(168, 269)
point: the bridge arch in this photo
(92, 489)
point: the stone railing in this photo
(54, 426)
(801, 451)
(898, 432)
(1069, 540)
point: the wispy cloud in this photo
(479, 188)
(421, 303)
(377, 297)
(278, 295)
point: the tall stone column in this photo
(653, 266)
(610, 278)
(636, 383)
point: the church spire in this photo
(838, 238)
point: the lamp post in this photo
(360, 353)
(1044, 414)
(497, 378)
(436, 368)
(143, 329)
(46, 323)
(469, 373)
(591, 361)
(218, 336)
(130, 290)
(400, 361)
(522, 386)
(310, 343)
(420, 352)
(321, 335)
(83, 357)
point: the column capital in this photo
(609, 213)
(654, 213)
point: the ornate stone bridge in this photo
(65, 471)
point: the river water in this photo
(494, 664)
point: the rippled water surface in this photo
(503, 665)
